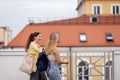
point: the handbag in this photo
(27, 65)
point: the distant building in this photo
(5, 36)
(98, 7)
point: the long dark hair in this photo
(30, 39)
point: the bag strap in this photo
(43, 49)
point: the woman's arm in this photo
(34, 49)
(58, 59)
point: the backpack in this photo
(42, 61)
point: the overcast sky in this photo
(15, 13)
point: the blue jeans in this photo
(53, 71)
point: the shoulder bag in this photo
(27, 64)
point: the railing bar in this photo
(89, 75)
(76, 63)
(90, 56)
(98, 60)
(98, 71)
(90, 63)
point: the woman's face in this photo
(38, 38)
(57, 38)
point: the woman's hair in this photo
(51, 43)
(30, 39)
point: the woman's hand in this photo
(65, 61)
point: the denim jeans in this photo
(53, 71)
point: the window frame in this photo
(83, 35)
(114, 12)
(95, 11)
(109, 68)
(83, 70)
(109, 35)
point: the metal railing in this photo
(83, 65)
(88, 66)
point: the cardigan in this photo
(33, 51)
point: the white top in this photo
(51, 57)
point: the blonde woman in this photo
(54, 58)
(33, 49)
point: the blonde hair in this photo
(51, 43)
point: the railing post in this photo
(70, 57)
(116, 65)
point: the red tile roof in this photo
(69, 30)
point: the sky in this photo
(16, 13)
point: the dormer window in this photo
(109, 37)
(94, 19)
(83, 37)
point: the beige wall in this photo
(106, 6)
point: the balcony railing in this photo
(83, 65)
(77, 20)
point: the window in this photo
(83, 37)
(108, 70)
(115, 9)
(96, 9)
(109, 37)
(93, 19)
(83, 71)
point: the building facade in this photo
(5, 36)
(98, 7)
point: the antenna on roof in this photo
(31, 21)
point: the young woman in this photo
(33, 49)
(54, 58)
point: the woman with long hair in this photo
(54, 58)
(33, 49)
